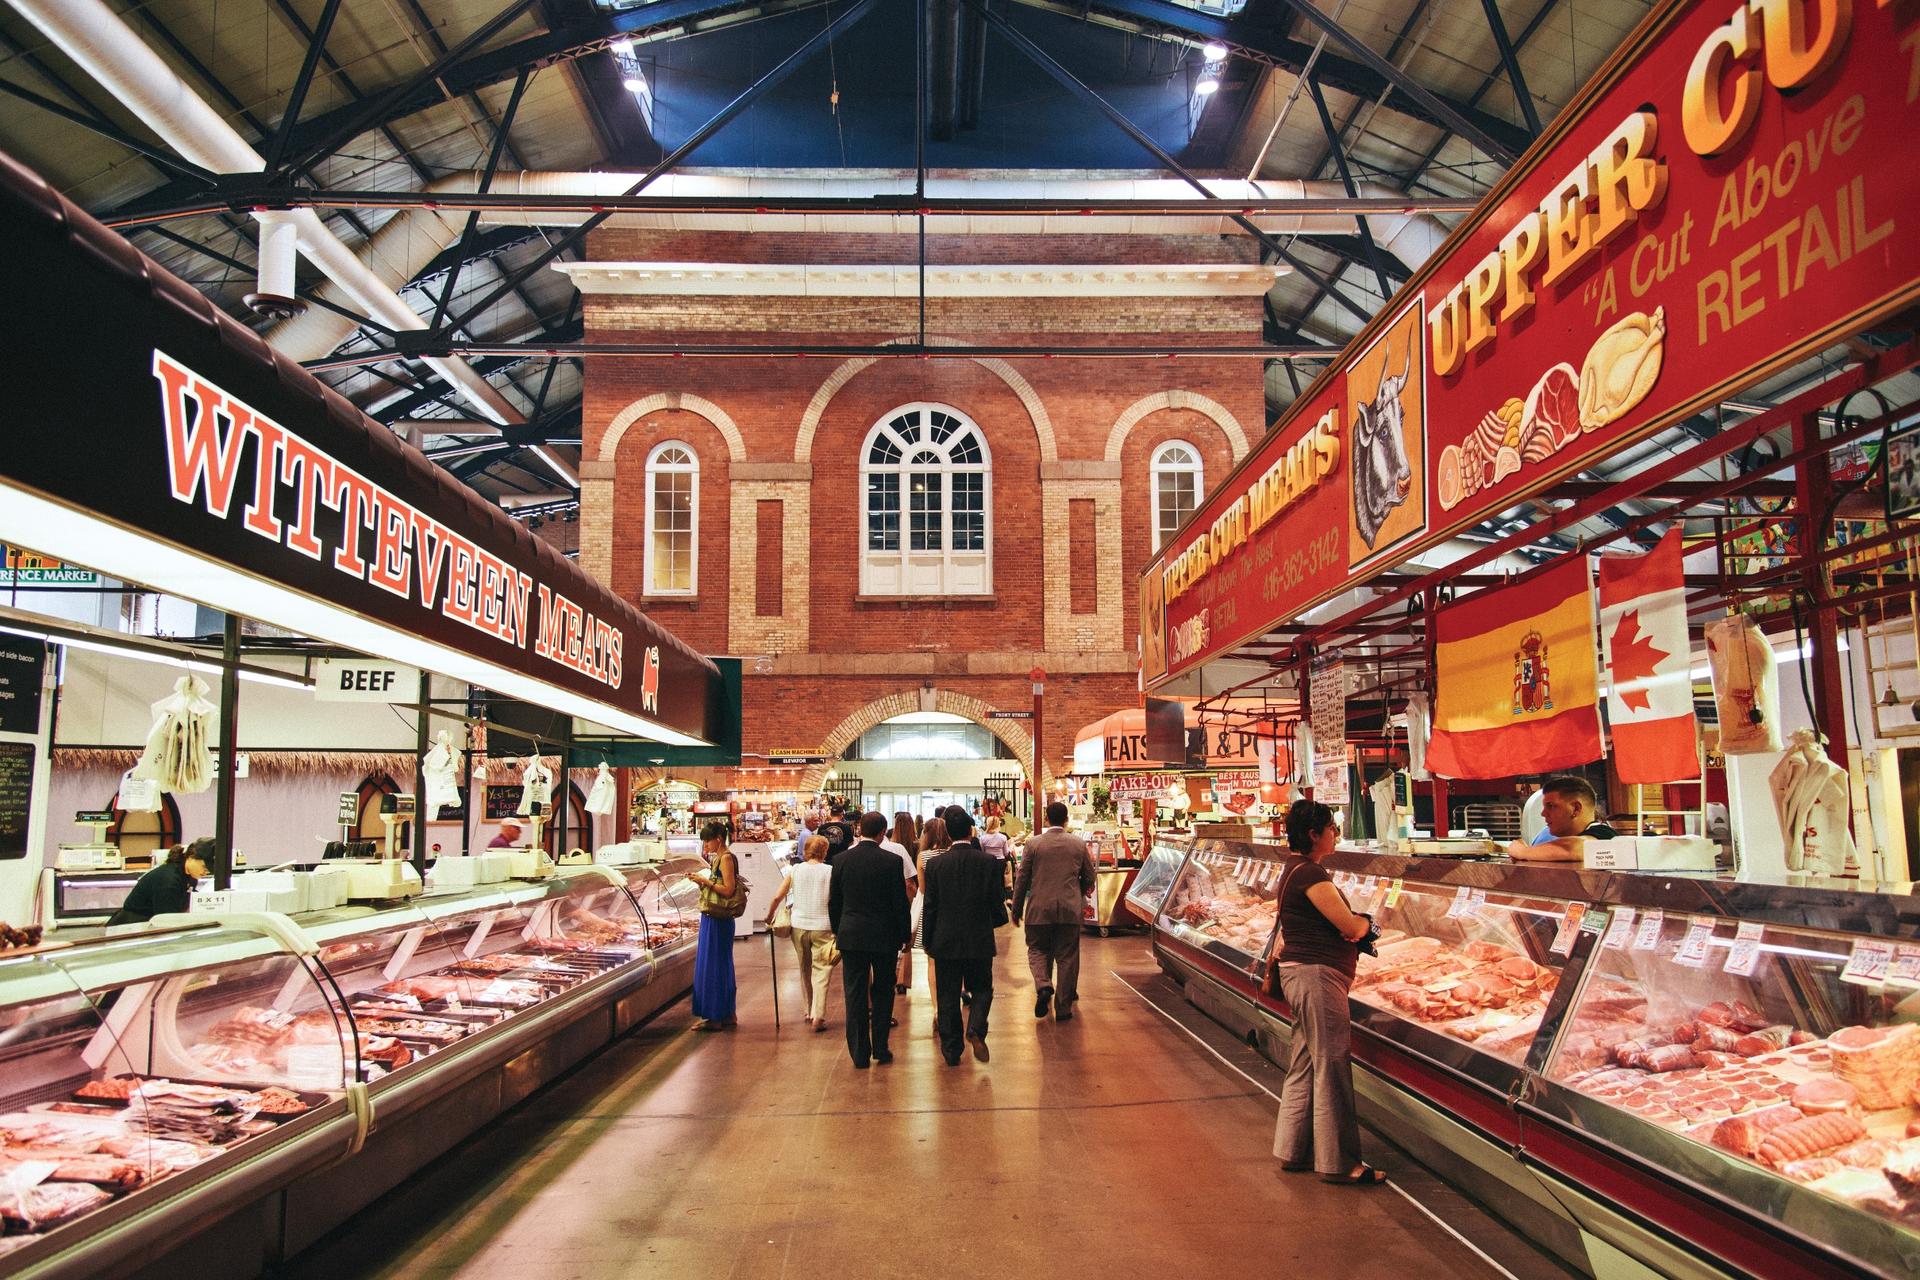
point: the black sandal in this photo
(1365, 1176)
(1296, 1168)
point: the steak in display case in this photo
(1773, 1065)
(1150, 888)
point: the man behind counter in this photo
(1571, 810)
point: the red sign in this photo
(1718, 203)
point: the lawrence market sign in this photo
(1727, 196)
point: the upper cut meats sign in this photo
(1726, 196)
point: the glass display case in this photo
(1223, 903)
(130, 1065)
(1774, 1065)
(1476, 967)
(669, 903)
(1157, 871)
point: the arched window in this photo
(1178, 481)
(926, 504)
(672, 557)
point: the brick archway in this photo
(840, 377)
(721, 420)
(1213, 409)
(843, 735)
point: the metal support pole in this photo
(486, 182)
(1081, 89)
(316, 46)
(1509, 59)
(422, 712)
(1814, 479)
(229, 741)
(1430, 600)
(1346, 180)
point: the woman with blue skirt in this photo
(713, 983)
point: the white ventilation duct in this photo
(95, 38)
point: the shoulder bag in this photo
(715, 903)
(1270, 980)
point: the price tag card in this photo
(1569, 929)
(1904, 971)
(1393, 895)
(1619, 929)
(1744, 954)
(1273, 873)
(1458, 907)
(1693, 947)
(1869, 963)
(1476, 903)
(1647, 937)
(1239, 867)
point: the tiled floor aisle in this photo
(1112, 1146)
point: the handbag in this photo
(1270, 980)
(827, 952)
(783, 921)
(715, 903)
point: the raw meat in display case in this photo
(1774, 1047)
(1224, 901)
(1477, 969)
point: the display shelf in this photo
(171, 1057)
(1157, 874)
(1641, 1033)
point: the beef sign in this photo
(1716, 204)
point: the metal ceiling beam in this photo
(1346, 180)
(100, 125)
(1366, 74)
(1082, 90)
(248, 268)
(419, 344)
(775, 75)
(370, 115)
(1510, 59)
(886, 205)
(290, 115)
(486, 181)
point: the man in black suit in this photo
(867, 905)
(965, 905)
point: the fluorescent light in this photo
(30, 520)
(155, 653)
(623, 47)
(1207, 86)
(1214, 51)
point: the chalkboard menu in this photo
(16, 795)
(21, 662)
(503, 800)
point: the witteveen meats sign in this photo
(1723, 199)
(169, 446)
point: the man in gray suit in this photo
(1050, 893)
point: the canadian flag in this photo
(1643, 637)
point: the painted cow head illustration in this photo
(1382, 478)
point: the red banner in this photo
(1722, 200)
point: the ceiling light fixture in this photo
(634, 84)
(623, 47)
(1207, 86)
(158, 652)
(1214, 51)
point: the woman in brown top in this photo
(1318, 1126)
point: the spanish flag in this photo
(1517, 679)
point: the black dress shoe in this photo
(859, 1066)
(979, 1044)
(1041, 1000)
(883, 1058)
(1065, 1015)
(953, 1060)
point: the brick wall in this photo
(780, 439)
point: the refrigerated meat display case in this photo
(1687, 1076)
(210, 1095)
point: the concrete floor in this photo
(1114, 1144)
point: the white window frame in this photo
(655, 468)
(904, 572)
(1160, 467)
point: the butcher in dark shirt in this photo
(168, 888)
